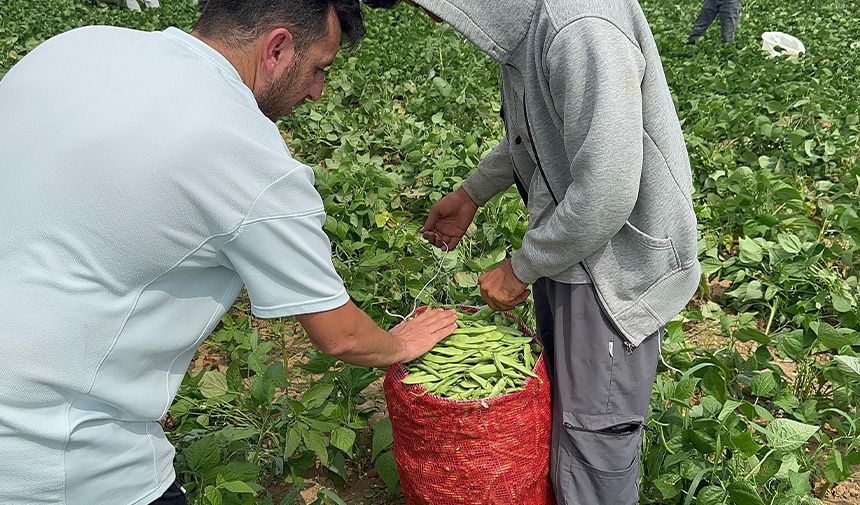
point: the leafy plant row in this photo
(757, 400)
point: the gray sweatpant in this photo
(730, 15)
(601, 388)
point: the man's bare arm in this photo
(347, 333)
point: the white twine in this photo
(441, 262)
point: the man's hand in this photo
(449, 219)
(501, 288)
(419, 334)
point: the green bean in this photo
(485, 357)
(473, 330)
(419, 379)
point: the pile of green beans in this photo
(477, 361)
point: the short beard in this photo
(272, 99)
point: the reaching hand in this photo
(501, 288)
(419, 334)
(449, 219)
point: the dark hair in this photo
(243, 21)
(382, 4)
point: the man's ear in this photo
(278, 51)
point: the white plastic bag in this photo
(772, 42)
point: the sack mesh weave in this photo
(477, 452)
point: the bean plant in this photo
(756, 398)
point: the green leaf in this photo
(330, 497)
(744, 493)
(262, 389)
(668, 486)
(316, 395)
(244, 470)
(832, 338)
(702, 441)
(256, 364)
(294, 438)
(788, 435)
(789, 464)
(383, 436)
(800, 483)
(685, 388)
(387, 469)
(746, 443)
(291, 498)
(840, 302)
(343, 439)
(728, 408)
(238, 487)
(373, 260)
(213, 495)
(835, 469)
(749, 252)
(276, 375)
(792, 345)
(790, 243)
(213, 384)
(202, 455)
(769, 467)
(338, 465)
(711, 495)
(466, 279)
(763, 383)
(714, 383)
(412, 264)
(318, 443)
(754, 291)
(848, 365)
(711, 265)
(747, 334)
(763, 413)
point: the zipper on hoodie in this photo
(535, 149)
(518, 179)
(628, 346)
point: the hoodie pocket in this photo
(643, 259)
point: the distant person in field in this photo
(133, 4)
(595, 148)
(730, 15)
(121, 252)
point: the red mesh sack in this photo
(478, 452)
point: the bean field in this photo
(756, 400)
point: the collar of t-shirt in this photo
(203, 49)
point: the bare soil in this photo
(844, 493)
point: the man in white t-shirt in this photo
(120, 251)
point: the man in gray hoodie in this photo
(594, 145)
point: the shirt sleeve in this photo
(595, 74)
(283, 255)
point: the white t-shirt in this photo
(140, 189)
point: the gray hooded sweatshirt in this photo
(592, 133)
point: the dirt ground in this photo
(844, 493)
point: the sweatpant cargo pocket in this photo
(599, 461)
